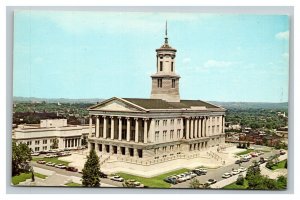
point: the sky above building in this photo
(105, 54)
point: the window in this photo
(28, 143)
(171, 134)
(178, 146)
(172, 121)
(172, 67)
(36, 148)
(164, 149)
(164, 122)
(156, 151)
(44, 141)
(178, 133)
(161, 66)
(37, 142)
(164, 135)
(173, 83)
(178, 121)
(213, 129)
(156, 123)
(171, 147)
(156, 136)
(44, 147)
(218, 129)
(159, 83)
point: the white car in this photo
(49, 156)
(193, 175)
(50, 164)
(180, 178)
(235, 172)
(242, 169)
(35, 154)
(60, 166)
(226, 175)
(202, 170)
(117, 178)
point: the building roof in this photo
(162, 104)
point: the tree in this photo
(54, 144)
(195, 183)
(282, 182)
(21, 155)
(84, 141)
(91, 170)
(240, 180)
(270, 164)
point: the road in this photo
(217, 173)
(68, 173)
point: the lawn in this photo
(72, 184)
(245, 152)
(234, 186)
(24, 176)
(53, 160)
(279, 165)
(156, 181)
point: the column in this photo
(199, 127)
(128, 129)
(192, 129)
(206, 127)
(104, 126)
(223, 124)
(135, 153)
(136, 130)
(145, 130)
(203, 127)
(90, 126)
(187, 128)
(97, 126)
(112, 126)
(120, 128)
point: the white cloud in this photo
(282, 35)
(186, 60)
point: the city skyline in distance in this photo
(231, 58)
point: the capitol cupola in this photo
(165, 82)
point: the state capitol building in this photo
(161, 128)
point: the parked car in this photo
(242, 169)
(211, 181)
(172, 180)
(238, 161)
(50, 156)
(192, 174)
(102, 175)
(41, 162)
(226, 175)
(202, 170)
(72, 169)
(35, 154)
(60, 166)
(50, 164)
(281, 152)
(244, 159)
(198, 172)
(253, 154)
(181, 178)
(117, 178)
(235, 172)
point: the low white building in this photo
(40, 137)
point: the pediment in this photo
(116, 104)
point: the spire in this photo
(166, 33)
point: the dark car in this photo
(72, 169)
(238, 162)
(102, 175)
(171, 180)
(198, 172)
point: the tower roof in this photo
(166, 45)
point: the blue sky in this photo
(105, 54)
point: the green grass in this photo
(154, 182)
(279, 165)
(234, 186)
(53, 160)
(24, 176)
(245, 152)
(72, 184)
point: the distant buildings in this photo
(40, 137)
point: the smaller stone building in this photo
(40, 137)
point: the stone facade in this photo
(40, 137)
